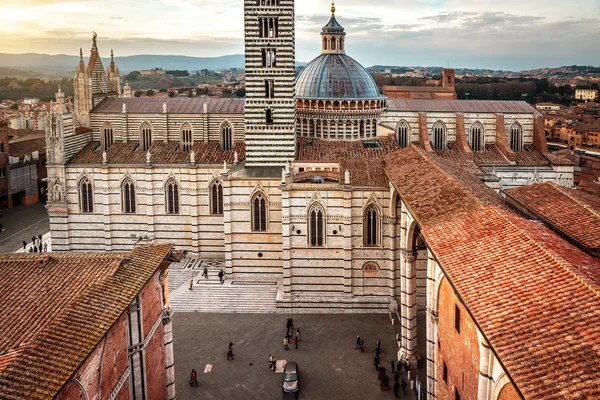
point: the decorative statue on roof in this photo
(94, 37)
(347, 177)
(148, 156)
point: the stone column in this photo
(486, 368)
(169, 357)
(393, 227)
(408, 350)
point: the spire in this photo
(81, 67)
(333, 35)
(332, 8)
(112, 56)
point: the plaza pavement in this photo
(21, 223)
(330, 368)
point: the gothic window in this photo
(371, 225)
(226, 136)
(145, 136)
(259, 213)
(269, 58)
(216, 197)
(403, 134)
(477, 141)
(269, 88)
(269, 116)
(187, 138)
(516, 137)
(439, 136)
(172, 197)
(316, 225)
(86, 196)
(128, 196)
(107, 136)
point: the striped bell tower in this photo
(270, 111)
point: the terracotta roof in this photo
(568, 211)
(435, 89)
(178, 105)
(535, 296)
(56, 309)
(365, 164)
(491, 156)
(457, 106)
(531, 156)
(26, 147)
(457, 157)
(161, 153)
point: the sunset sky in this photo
(495, 34)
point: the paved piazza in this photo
(330, 367)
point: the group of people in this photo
(205, 275)
(37, 245)
(289, 335)
(398, 381)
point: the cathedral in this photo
(350, 201)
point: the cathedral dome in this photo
(336, 76)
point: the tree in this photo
(150, 93)
(15, 106)
(138, 93)
(171, 93)
(241, 92)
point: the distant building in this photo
(548, 107)
(558, 81)
(153, 72)
(78, 325)
(586, 94)
(444, 92)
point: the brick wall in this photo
(460, 351)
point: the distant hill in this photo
(62, 63)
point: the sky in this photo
(495, 34)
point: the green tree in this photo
(171, 93)
(138, 93)
(150, 93)
(14, 106)
(241, 92)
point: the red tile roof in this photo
(26, 147)
(467, 106)
(56, 309)
(179, 105)
(568, 211)
(365, 164)
(535, 296)
(161, 153)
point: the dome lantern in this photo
(333, 36)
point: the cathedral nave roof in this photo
(462, 106)
(180, 105)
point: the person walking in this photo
(24, 245)
(40, 237)
(270, 360)
(393, 366)
(45, 247)
(376, 362)
(291, 324)
(40, 247)
(285, 343)
(396, 388)
(298, 334)
(194, 378)
(230, 351)
(191, 284)
(296, 342)
(403, 386)
(274, 364)
(221, 276)
(377, 351)
(358, 341)
(397, 376)
(378, 344)
(362, 345)
(205, 273)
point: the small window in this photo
(457, 318)
(128, 197)
(259, 213)
(371, 231)
(445, 374)
(86, 196)
(216, 198)
(403, 134)
(187, 139)
(269, 116)
(172, 200)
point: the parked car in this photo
(290, 377)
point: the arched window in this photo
(403, 131)
(128, 196)
(259, 213)
(439, 136)
(145, 136)
(172, 197)
(86, 196)
(371, 225)
(226, 136)
(216, 197)
(316, 225)
(187, 137)
(516, 137)
(477, 139)
(107, 136)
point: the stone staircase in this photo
(210, 296)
